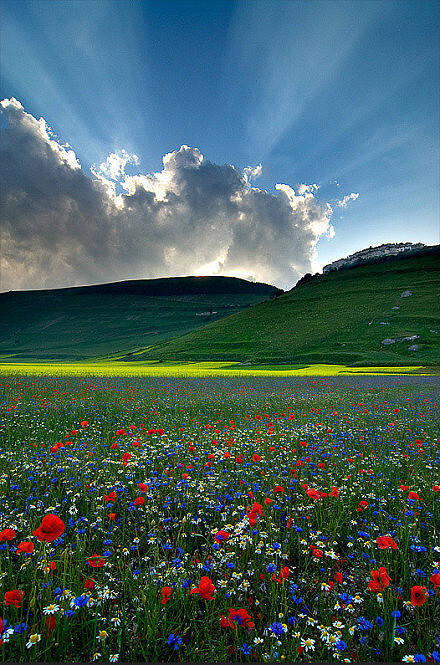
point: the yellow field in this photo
(202, 369)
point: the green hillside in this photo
(116, 319)
(343, 317)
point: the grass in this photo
(341, 317)
(116, 320)
(314, 484)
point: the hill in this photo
(116, 319)
(385, 313)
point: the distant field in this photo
(218, 368)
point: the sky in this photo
(260, 139)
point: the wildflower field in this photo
(220, 519)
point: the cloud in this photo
(62, 227)
(346, 200)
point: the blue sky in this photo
(341, 94)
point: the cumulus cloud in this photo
(62, 227)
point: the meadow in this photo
(244, 518)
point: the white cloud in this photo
(346, 200)
(61, 227)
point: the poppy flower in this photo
(139, 501)
(96, 561)
(385, 542)
(418, 595)
(26, 547)
(166, 594)
(110, 497)
(7, 534)
(143, 487)
(14, 597)
(414, 496)
(435, 579)
(112, 516)
(278, 488)
(380, 580)
(89, 585)
(50, 529)
(125, 458)
(84, 423)
(51, 623)
(284, 574)
(236, 618)
(205, 588)
(335, 491)
(221, 535)
(256, 458)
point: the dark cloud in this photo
(60, 227)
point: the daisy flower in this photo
(33, 640)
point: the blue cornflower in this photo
(175, 641)
(246, 649)
(230, 565)
(277, 628)
(276, 546)
(436, 656)
(379, 621)
(420, 573)
(396, 614)
(21, 628)
(186, 583)
(364, 624)
(341, 645)
(400, 630)
(419, 658)
(271, 568)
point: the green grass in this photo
(116, 321)
(341, 317)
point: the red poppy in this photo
(26, 547)
(418, 595)
(414, 496)
(380, 580)
(166, 594)
(139, 501)
(51, 623)
(335, 491)
(125, 458)
(284, 574)
(278, 488)
(7, 534)
(205, 588)
(110, 497)
(84, 423)
(317, 553)
(112, 516)
(89, 585)
(339, 577)
(14, 597)
(435, 579)
(143, 487)
(236, 618)
(385, 542)
(96, 561)
(50, 529)
(256, 458)
(221, 535)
